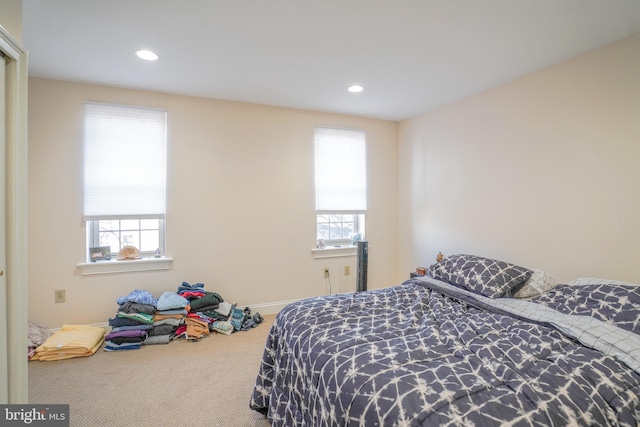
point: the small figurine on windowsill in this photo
(157, 254)
(320, 244)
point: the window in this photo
(338, 227)
(124, 194)
(341, 184)
(145, 234)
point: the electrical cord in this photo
(329, 283)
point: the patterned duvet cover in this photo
(427, 353)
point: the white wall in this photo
(542, 171)
(241, 206)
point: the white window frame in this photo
(358, 227)
(93, 230)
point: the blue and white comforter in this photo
(426, 353)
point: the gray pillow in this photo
(484, 276)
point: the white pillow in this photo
(584, 281)
(539, 283)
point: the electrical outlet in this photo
(325, 273)
(60, 295)
(347, 270)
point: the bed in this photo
(456, 348)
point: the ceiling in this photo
(411, 56)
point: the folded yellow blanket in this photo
(71, 341)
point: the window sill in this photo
(109, 267)
(334, 252)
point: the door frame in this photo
(15, 271)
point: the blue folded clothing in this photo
(237, 318)
(187, 287)
(171, 301)
(138, 296)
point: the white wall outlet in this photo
(325, 273)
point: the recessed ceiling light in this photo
(147, 54)
(356, 88)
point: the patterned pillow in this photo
(539, 283)
(488, 277)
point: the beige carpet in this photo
(197, 383)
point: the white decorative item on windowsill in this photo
(320, 244)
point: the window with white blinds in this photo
(340, 170)
(124, 197)
(341, 184)
(124, 162)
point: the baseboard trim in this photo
(269, 307)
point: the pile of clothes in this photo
(169, 317)
(190, 313)
(133, 321)
(36, 336)
(197, 323)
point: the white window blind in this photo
(124, 162)
(340, 170)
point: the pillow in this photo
(584, 281)
(484, 276)
(610, 301)
(539, 283)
